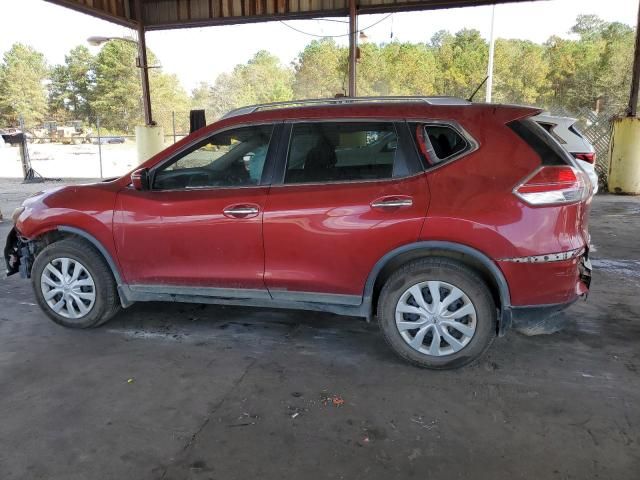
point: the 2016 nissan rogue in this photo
(448, 221)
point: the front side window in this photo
(334, 152)
(233, 158)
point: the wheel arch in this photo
(98, 245)
(469, 256)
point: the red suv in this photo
(448, 221)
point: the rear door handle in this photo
(241, 211)
(392, 202)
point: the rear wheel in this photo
(73, 285)
(437, 313)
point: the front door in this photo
(200, 225)
(350, 192)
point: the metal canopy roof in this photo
(166, 14)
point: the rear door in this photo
(347, 193)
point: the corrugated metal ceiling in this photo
(165, 14)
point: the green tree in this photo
(596, 66)
(410, 69)
(201, 96)
(462, 60)
(22, 90)
(616, 64)
(168, 98)
(261, 80)
(118, 92)
(520, 72)
(72, 86)
(320, 71)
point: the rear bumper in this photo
(547, 282)
(566, 281)
(539, 319)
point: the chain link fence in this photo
(80, 149)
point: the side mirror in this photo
(140, 179)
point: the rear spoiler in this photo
(510, 113)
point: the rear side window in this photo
(334, 152)
(574, 129)
(549, 150)
(549, 127)
(439, 143)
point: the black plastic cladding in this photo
(550, 152)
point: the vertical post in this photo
(353, 46)
(632, 110)
(143, 65)
(24, 152)
(99, 146)
(492, 46)
(173, 121)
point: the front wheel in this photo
(73, 284)
(437, 313)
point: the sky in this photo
(54, 30)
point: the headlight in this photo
(16, 213)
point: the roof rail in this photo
(345, 100)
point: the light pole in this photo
(492, 47)
(149, 137)
(141, 62)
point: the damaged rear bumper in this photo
(18, 254)
(546, 318)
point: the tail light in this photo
(554, 185)
(586, 157)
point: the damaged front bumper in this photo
(18, 254)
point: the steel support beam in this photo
(144, 67)
(632, 110)
(353, 46)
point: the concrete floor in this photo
(169, 391)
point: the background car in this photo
(565, 131)
(112, 139)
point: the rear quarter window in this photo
(440, 142)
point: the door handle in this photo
(392, 202)
(241, 211)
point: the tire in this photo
(439, 276)
(94, 279)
